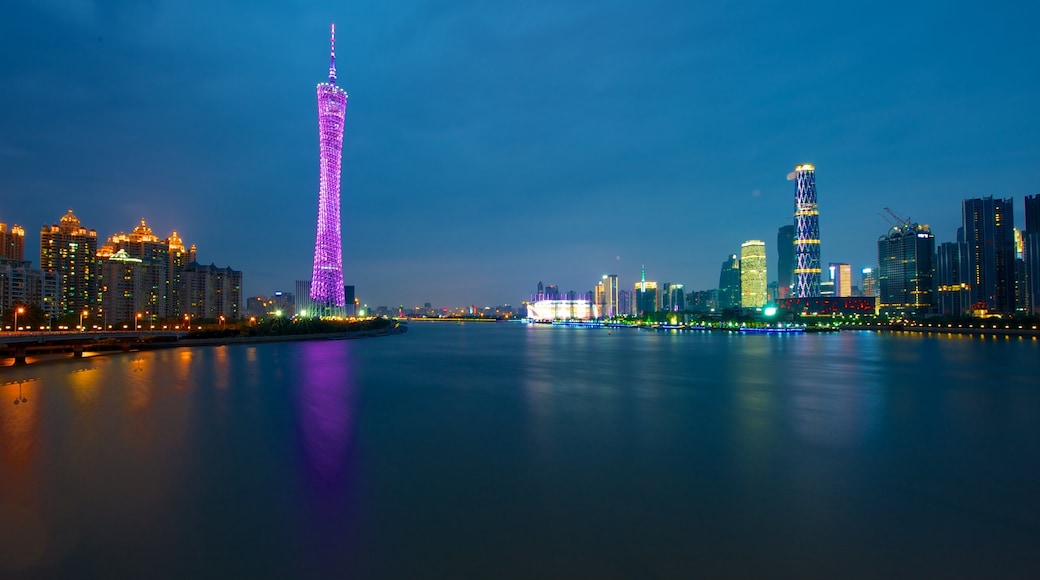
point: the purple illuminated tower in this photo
(327, 276)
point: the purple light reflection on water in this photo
(326, 407)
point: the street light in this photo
(137, 322)
(17, 311)
(222, 322)
(81, 315)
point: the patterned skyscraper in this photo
(327, 275)
(806, 233)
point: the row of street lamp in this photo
(137, 319)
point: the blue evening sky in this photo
(493, 145)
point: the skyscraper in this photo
(807, 233)
(841, 275)
(906, 270)
(327, 274)
(990, 245)
(868, 286)
(607, 296)
(1031, 253)
(785, 260)
(69, 250)
(953, 293)
(729, 283)
(753, 279)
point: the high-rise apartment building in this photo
(163, 261)
(841, 275)
(729, 283)
(20, 284)
(70, 251)
(905, 256)
(127, 289)
(12, 242)
(753, 279)
(327, 274)
(806, 233)
(210, 292)
(785, 260)
(989, 239)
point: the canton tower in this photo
(806, 233)
(327, 275)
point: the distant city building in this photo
(673, 297)
(69, 250)
(841, 275)
(1031, 253)
(868, 282)
(828, 305)
(729, 284)
(785, 261)
(702, 300)
(551, 309)
(953, 292)
(827, 289)
(625, 303)
(807, 233)
(907, 272)
(607, 295)
(20, 284)
(646, 298)
(753, 278)
(987, 226)
(12, 242)
(209, 292)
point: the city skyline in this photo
(489, 148)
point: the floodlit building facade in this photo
(753, 278)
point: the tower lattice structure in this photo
(327, 276)
(806, 233)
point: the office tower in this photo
(327, 274)
(841, 275)
(678, 302)
(905, 256)
(729, 283)
(12, 242)
(753, 279)
(785, 261)
(69, 250)
(666, 296)
(1031, 253)
(868, 286)
(988, 225)
(953, 294)
(647, 300)
(807, 233)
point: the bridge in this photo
(18, 344)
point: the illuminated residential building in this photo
(753, 278)
(125, 290)
(841, 275)
(729, 283)
(208, 292)
(327, 274)
(164, 259)
(907, 272)
(987, 225)
(20, 284)
(785, 261)
(70, 251)
(12, 242)
(807, 233)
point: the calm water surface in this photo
(501, 450)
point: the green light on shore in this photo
(769, 311)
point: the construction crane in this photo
(899, 221)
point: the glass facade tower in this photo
(807, 233)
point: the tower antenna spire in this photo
(332, 57)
